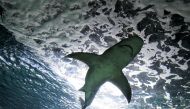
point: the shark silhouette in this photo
(108, 67)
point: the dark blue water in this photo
(26, 82)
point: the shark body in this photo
(108, 67)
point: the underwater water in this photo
(35, 35)
(26, 82)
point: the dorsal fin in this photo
(122, 83)
(88, 58)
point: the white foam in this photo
(175, 7)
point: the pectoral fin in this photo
(87, 58)
(82, 102)
(122, 83)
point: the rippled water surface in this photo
(35, 36)
(27, 83)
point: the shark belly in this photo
(94, 78)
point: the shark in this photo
(107, 67)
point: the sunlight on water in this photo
(109, 97)
(158, 76)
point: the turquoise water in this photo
(26, 82)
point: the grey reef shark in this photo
(107, 67)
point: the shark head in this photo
(124, 51)
(133, 45)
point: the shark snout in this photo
(134, 43)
